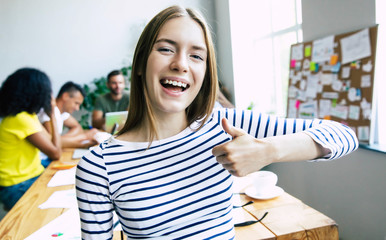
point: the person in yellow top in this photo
(22, 136)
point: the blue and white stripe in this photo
(175, 189)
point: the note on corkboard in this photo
(333, 78)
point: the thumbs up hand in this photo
(244, 154)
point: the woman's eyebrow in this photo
(174, 43)
(166, 40)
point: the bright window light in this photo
(262, 34)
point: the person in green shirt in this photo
(115, 101)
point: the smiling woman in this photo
(167, 173)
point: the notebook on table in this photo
(115, 121)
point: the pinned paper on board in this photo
(337, 85)
(355, 46)
(330, 95)
(355, 64)
(308, 110)
(297, 52)
(333, 102)
(345, 72)
(340, 111)
(292, 110)
(292, 91)
(333, 59)
(354, 94)
(293, 63)
(322, 49)
(297, 104)
(354, 112)
(363, 133)
(326, 78)
(336, 68)
(346, 85)
(301, 96)
(324, 108)
(312, 86)
(366, 108)
(307, 51)
(366, 81)
(314, 67)
(367, 67)
(298, 65)
(306, 64)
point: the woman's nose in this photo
(180, 63)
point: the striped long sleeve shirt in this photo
(175, 189)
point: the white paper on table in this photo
(79, 152)
(63, 177)
(67, 224)
(61, 199)
(355, 46)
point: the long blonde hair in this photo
(139, 104)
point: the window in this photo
(263, 32)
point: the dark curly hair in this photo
(27, 90)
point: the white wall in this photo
(327, 17)
(351, 190)
(224, 45)
(76, 40)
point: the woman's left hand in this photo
(244, 154)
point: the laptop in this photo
(115, 121)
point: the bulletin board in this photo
(333, 78)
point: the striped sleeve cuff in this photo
(340, 139)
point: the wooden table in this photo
(288, 217)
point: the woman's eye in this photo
(164, 50)
(198, 57)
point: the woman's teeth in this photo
(175, 83)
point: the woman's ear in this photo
(139, 73)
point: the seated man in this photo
(115, 101)
(69, 99)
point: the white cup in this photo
(263, 181)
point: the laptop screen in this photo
(115, 121)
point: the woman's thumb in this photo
(228, 128)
